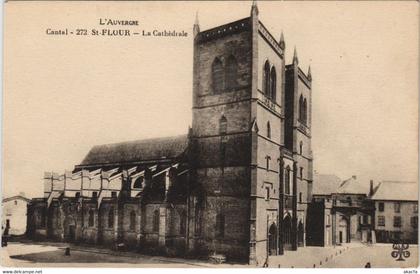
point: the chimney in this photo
(371, 188)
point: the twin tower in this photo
(250, 141)
(237, 185)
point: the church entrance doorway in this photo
(287, 233)
(300, 233)
(272, 242)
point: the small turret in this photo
(254, 8)
(281, 42)
(309, 73)
(295, 57)
(196, 28)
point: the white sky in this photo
(62, 95)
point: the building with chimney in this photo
(341, 211)
(238, 184)
(396, 212)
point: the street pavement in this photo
(52, 255)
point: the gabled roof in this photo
(325, 184)
(396, 191)
(353, 186)
(137, 151)
(16, 197)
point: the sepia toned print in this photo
(240, 186)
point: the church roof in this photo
(137, 151)
(396, 191)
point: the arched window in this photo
(305, 115)
(300, 147)
(268, 158)
(266, 78)
(301, 108)
(287, 180)
(223, 125)
(231, 72)
(300, 197)
(273, 83)
(182, 223)
(301, 172)
(138, 183)
(197, 217)
(220, 225)
(132, 220)
(156, 221)
(268, 130)
(111, 217)
(217, 75)
(91, 218)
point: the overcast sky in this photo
(64, 94)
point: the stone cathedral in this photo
(237, 184)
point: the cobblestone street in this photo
(52, 255)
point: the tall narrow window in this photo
(182, 223)
(266, 78)
(132, 220)
(111, 217)
(305, 112)
(220, 225)
(397, 207)
(301, 173)
(381, 207)
(300, 197)
(223, 125)
(197, 217)
(287, 180)
(268, 130)
(300, 108)
(267, 193)
(268, 158)
(156, 221)
(231, 72)
(91, 218)
(397, 221)
(300, 147)
(273, 83)
(217, 75)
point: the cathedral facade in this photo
(238, 184)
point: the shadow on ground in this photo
(75, 257)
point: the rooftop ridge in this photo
(144, 140)
(225, 29)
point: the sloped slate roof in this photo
(136, 151)
(325, 184)
(397, 191)
(353, 186)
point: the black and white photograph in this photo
(210, 134)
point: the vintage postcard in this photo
(210, 134)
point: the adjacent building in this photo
(396, 212)
(14, 214)
(238, 184)
(340, 212)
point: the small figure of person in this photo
(367, 265)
